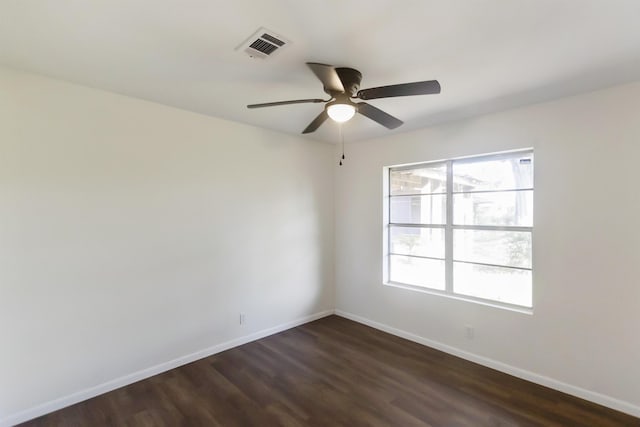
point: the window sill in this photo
(494, 304)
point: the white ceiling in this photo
(487, 54)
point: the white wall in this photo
(585, 329)
(132, 234)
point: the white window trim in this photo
(448, 227)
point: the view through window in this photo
(464, 227)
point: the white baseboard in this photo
(582, 393)
(99, 389)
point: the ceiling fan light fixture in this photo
(341, 112)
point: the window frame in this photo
(449, 227)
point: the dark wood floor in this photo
(334, 372)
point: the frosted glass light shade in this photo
(341, 112)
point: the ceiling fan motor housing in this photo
(350, 80)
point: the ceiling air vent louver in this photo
(263, 44)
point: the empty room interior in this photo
(319, 213)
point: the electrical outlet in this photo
(469, 332)
(243, 319)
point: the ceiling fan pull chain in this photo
(341, 135)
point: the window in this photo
(463, 227)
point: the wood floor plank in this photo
(334, 372)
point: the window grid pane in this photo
(419, 180)
(425, 273)
(510, 208)
(426, 242)
(505, 172)
(507, 285)
(505, 248)
(429, 209)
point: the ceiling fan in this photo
(343, 84)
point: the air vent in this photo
(263, 44)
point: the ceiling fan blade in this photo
(377, 115)
(406, 89)
(327, 75)
(315, 124)
(273, 104)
